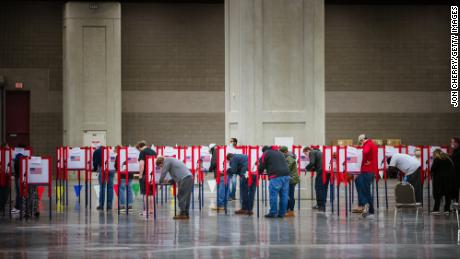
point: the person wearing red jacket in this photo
(369, 168)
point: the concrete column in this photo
(92, 71)
(274, 70)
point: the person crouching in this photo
(184, 181)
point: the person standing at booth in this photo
(442, 173)
(274, 163)
(455, 145)
(315, 157)
(410, 166)
(183, 179)
(232, 196)
(294, 180)
(144, 151)
(369, 168)
(105, 183)
(239, 167)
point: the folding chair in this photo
(456, 207)
(405, 199)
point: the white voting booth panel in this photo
(254, 154)
(133, 156)
(381, 158)
(37, 170)
(170, 152)
(327, 154)
(304, 160)
(23, 151)
(75, 158)
(221, 161)
(205, 157)
(354, 159)
(6, 160)
(112, 157)
(150, 161)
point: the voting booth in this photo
(6, 166)
(35, 171)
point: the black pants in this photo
(321, 189)
(18, 204)
(247, 193)
(416, 182)
(437, 203)
(4, 195)
(291, 200)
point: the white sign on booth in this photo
(112, 157)
(76, 158)
(354, 159)
(133, 156)
(38, 170)
(205, 157)
(304, 160)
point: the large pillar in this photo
(92, 71)
(274, 70)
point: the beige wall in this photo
(387, 70)
(173, 73)
(387, 73)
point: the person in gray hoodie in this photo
(183, 179)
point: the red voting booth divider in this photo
(24, 181)
(63, 158)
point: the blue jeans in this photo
(247, 193)
(321, 189)
(279, 186)
(223, 191)
(233, 187)
(363, 186)
(122, 192)
(109, 185)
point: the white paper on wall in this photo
(133, 156)
(75, 158)
(38, 170)
(354, 159)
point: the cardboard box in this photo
(394, 142)
(342, 142)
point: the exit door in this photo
(17, 117)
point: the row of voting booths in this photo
(35, 172)
(342, 162)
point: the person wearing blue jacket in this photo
(239, 167)
(108, 183)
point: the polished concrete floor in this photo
(78, 232)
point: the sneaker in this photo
(365, 211)
(250, 213)
(271, 216)
(218, 208)
(447, 213)
(130, 207)
(316, 207)
(290, 214)
(436, 213)
(15, 211)
(241, 212)
(322, 209)
(179, 217)
(99, 208)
